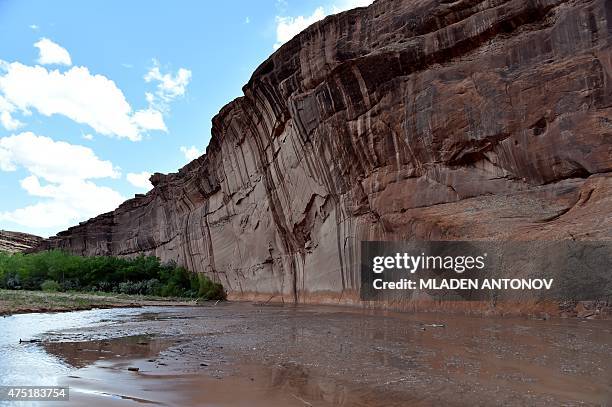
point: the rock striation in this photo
(13, 242)
(408, 119)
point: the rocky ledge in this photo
(14, 242)
(413, 119)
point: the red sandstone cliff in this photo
(13, 242)
(409, 119)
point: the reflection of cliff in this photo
(13, 242)
(408, 119)
(81, 354)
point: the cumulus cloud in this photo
(61, 174)
(344, 5)
(191, 153)
(65, 205)
(54, 161)
(169, 86)
(77, 94)
(140, 180)
(149, 119)
(51, 53)
(84, 97)
(8, 122)
(6, 118)
(288, 27)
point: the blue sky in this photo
(95, 95)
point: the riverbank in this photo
(24, 301)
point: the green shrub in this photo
(50, 285)
(209, 290)
(141, 275)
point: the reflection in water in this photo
(27, 364)
(299, 381)
(85, 353)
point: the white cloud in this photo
(33, 27)
(8, 122)
(344, 5)
(88, 136)
(247, 20)
(52, 53)
(77, 94)
(68, 194)
(169, 86)
(65, 205)
(6, 118)
(191, 153)
(54, 161)
(289, 27)
(140, 180)
(149, 119)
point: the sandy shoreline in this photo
(23, 302)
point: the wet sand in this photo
(247, 355)
(25, 301)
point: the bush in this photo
(210, 290)
(152, 287)
(71, 284)
(60, 271)
(12, 283)
(129, 287)
(50, 285)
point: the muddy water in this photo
(247, 355)
(25, 362)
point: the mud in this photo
(243, 354)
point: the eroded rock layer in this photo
(414, 119)
(13, 242)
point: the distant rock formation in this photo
(430, 119)
(14, 242)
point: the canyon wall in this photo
(13, 242)
(413, 119)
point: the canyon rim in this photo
(14, 242)
(431, 120)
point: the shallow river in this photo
(248, 355)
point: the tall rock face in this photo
(13, 242)
(413, 119)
